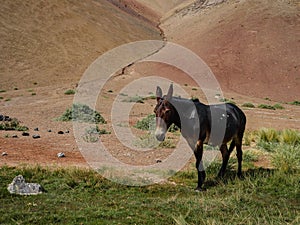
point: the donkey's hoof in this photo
(200, 189)
(240, 176)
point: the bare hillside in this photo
(53, 42)
(253, 47)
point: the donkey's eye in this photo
(167, 110)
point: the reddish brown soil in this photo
(252, 47)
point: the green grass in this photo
(82, 113)
(77, 196)
(268, 139)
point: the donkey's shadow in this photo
(231, 176)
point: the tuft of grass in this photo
(286, 158)
(290, 137)
(70, 92)
(14, 124)
(2, 91)
(82, 113)
(248, 105)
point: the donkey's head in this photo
(165, 113)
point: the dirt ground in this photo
(253, 49)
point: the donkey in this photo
(198, 124)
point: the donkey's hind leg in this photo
(239, 154)
(225, 156)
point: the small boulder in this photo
(61, 155)
(19, 186)
(60, 132)
(4, 154)
(25, 134)
(36, 136)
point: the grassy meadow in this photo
(266, 195)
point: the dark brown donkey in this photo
(201, 124)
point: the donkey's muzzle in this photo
(160, 135)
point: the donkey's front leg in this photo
(199, 165)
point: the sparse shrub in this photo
(149, 141)
(33, 93)
(278, 106)
(1, 90)
(248, 105)
(264, 106)
(227, 101)
(70, 92)
(146, 123)
(295, 103)
(14, 124)
(137, 99)
(82, 113)
(92, 134)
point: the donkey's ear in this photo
(170, 92)
(158, 93)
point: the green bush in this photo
(146, 123)
(82, 113)
(14, 124)
(70, 92)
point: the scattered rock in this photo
(19, 186)
(158, 160)
(60, 132)
(25, 134)
(36, 136)
(61, 155)
(4, 154)
(67, 132)
(49, 130)
(36, 129)
(14, 136)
